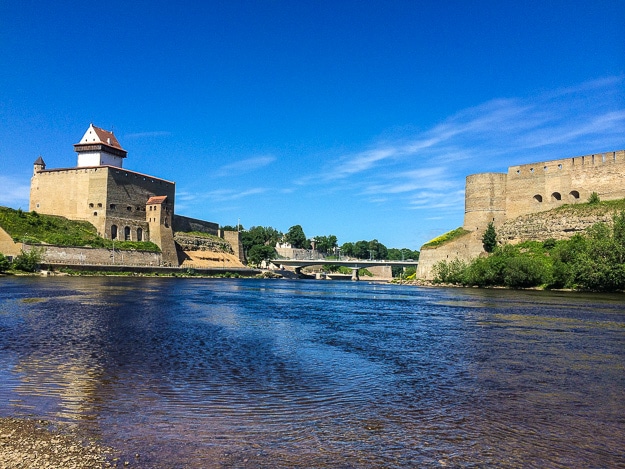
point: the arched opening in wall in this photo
(538, 198)
(127, 233)
(139, 234)
(113, 231)
(556, 196)
(574, 195)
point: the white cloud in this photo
(14, 193)
(244, 166)
(149, 134)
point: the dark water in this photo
(252, 373)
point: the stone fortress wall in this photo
(121, 204)
(527, 189)
(102, 195)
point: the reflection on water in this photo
(252, 373)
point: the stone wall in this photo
(94, 256)
(234, 238)
(187, 224)
(464, 248)
(510, 199)
(539, 187)
(101, 195)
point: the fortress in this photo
(121, 204)
(526, 189)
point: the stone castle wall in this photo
(187, 225)
(510, 200)
(94, 256)
(103, 196)
(538, 187)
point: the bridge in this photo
(352, 264)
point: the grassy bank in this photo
(34, 228)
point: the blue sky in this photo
(354, 118)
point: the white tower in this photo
(99, 147)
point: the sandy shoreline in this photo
(39, 444)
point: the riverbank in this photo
(39, 444)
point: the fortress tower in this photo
(112, 199)
(99, 147)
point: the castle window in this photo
(544, 168)
(129, 208)
(112, 206)
(556, 196)
(99, 205)
(139, 234)
(95, 214)
(538, 198)
(127, 233)
(518, 171)
(90, 205)
(560, 166)
(113, 231)
(574, 194)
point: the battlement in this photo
(537, 187)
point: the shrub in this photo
(27, 261)
(4, 263)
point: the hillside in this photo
(34, 228)
(559, 223)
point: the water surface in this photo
(263, 373)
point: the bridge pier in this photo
(355, 276)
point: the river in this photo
(219, 373)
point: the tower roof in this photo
(39, 161)
(96, 136)
(156, 199)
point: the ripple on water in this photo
(204, 373)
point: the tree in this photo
(489, 240)
(377, 250)
(326, 244)
(260, 236)
(27, 261)
(296, 237)
(4, 263)
(347, 249)
(259, 253)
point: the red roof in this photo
(107, 137)
(157, 199)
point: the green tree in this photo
(259, 253)
(296, 237)
(4, 263)
(377, 250)
(326, 244)
(259, 236)
(27, 261)
(489, 240)
(361, 249)
(348, 249)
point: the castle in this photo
(121, 204)
(526, 189)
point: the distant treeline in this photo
(259, 244)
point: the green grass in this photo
(599, 208)
(445, 238)
(33, 228)
(199, 234)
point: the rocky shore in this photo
(38, 444)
